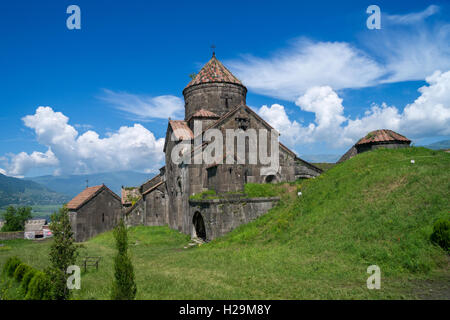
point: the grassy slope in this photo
(376, 208)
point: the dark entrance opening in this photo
(199, 226)
(271, 179)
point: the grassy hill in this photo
(26, 192)
(376, 208)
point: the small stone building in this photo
(93, 211)
(383, 138)
(34, 228)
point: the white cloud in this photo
(411, 53)
(145, 107)
(430, 113)
(305, 64)
(22, 162)
(427, 116)
(289, 130)
(402, 51)
(68, 152)
(410, 18)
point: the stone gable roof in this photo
(383, 135)
(153, 188)
(227, 115)
(214, 71)
(87, 194)
(202, 113)
(181, 129)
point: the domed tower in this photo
(214, 89)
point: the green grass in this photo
(205, 195)
(324, 165)
(251, 190)
(376, 208)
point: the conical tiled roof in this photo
(383, 135)
(214, 71)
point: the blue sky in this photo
(131, 60)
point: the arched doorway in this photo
(199, 225)
(271, 179)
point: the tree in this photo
(63, 253)
(15, 218)
(124, 286)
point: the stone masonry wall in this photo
(100, 214)
(220, 216)
(11, 235)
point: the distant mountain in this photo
(444, 144)
(319, 158)
(26, 192)
(71, 185)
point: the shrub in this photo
(10, 266)
(441, 234)
(20, 271)
(27, 279)
(124, 286)
(39, 287)
(63, 253)
(15, 218)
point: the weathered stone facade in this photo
(213, 218)
(93, 211)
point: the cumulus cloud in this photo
(22, 162)
(277, 117)
(402, 51)
(428, 115)
(69, 152)
(145, 107)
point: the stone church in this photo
(215, 102)
(214, 99)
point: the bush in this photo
(39, 287)
(441, 234)
(10, 266)
(63, 253)
(20, 271)
(15, 218)
(27, 279)
(124, 285)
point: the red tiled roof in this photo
(83, 197)
(214, 71)
(181, 129)
(383, 135)
(205, 114)
(128, 193)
